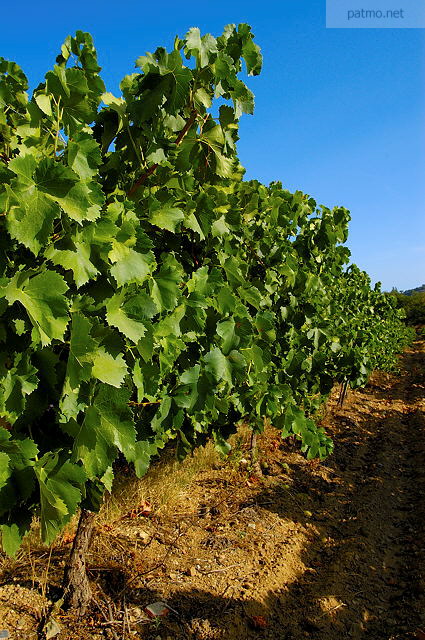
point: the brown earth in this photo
(326, 551)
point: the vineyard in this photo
(150, 298)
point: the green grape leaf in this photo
(20, 381)
(165, 291)
(107, 368)
(226, 331)
(60, 485)
(35, 194)
(129, 315)
(186, 394)
(167, 218)
(129, 265)
(143, 454)
(84, 156)
(251, 54)
(251, 295)
(76, 260)
(219, 366)
(107, 426)
(30, 216)
(203, 46)
(43, 298)
(82, 348)
(5, 469)
(11, 538)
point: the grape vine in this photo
(148, 293)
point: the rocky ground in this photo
(327, 550)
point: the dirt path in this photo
(369, 555)
(324, 551)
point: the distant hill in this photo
(410, 292)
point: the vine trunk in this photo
(77, 592)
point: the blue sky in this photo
(340, 113)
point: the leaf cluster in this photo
(147, 293)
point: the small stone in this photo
(135, 614)
(157, 610)
(144, 537)
(192, 572)
(52, 629)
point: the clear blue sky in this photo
(340, 113)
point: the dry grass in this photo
(163, 486)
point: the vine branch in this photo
(154, 167)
